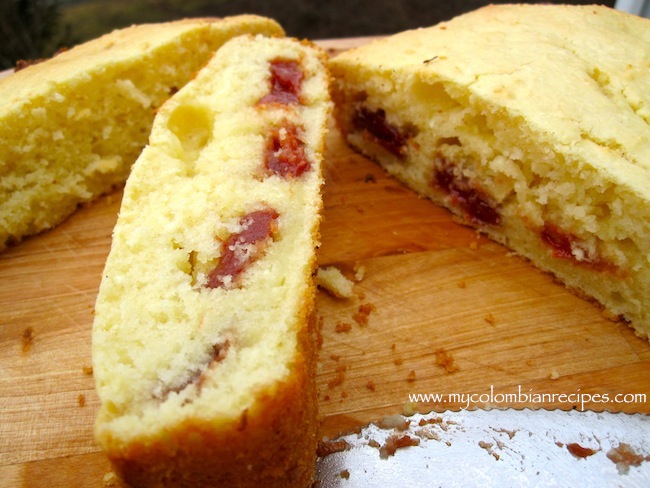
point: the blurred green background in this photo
(33, 29)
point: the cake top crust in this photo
(578, 76)
(120, 46)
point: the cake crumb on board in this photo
(110, 479)
(342, 327)
(27, 339)
(359, 272)
(338, 378)
(446, 360)
(333, 281)
(361, 316)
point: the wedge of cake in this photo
(203, 352)
(72, 126)
(530, 123)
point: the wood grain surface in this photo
(447, 312)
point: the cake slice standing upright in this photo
(530, 123)
(203, 352)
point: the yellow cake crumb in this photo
(332, 280)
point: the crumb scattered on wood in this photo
(371, 385)
(489, 318)
(318, 333)
(338, 378)
(362, 314)
(81, 400)
(110, 479)
(446, 360)
(27, 339)
(332, 280)
(462, 284)
(87, 370)
(335, 357)
(398, 361)
(411, 376)
(342, 327)
(409, 409)
(359, 272)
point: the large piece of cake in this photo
(203, 352)
(530, 123)
(72, 126)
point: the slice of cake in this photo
(530, 123)
(72, 126)
(203, 352)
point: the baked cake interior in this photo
(77, 137)
(205, 298)
(565, 185)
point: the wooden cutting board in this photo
(447, 312)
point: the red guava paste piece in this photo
(286, 82)
(285, 152)
(476, 206)
(197, 376)
(560, 242)
(243, 248)
(562, 245)
(579, 451)
(376, 128)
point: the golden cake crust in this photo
(535, 62)
(121, 46)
